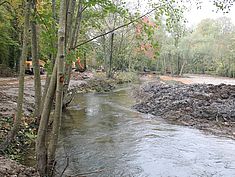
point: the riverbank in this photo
(80, 83)
(204, 106)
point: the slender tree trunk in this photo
(171, 64)
(72, 42)
(41, 143)
(178, 63)
(69, 42)
(77, 24)
(52, 57)
(164, 63)
(182, 69)
(111, 55)
(18, 116)
(69, 22)
(36, 67)
(46, 86)
(105, 55)
(47, 100)
(60, 81)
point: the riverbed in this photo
(102, 135)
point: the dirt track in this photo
(9, 93)
(201, 79)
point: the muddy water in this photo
(103, 136)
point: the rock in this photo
(10, 168)
(198, 101)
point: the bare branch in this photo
(115, 29)
(66, 166)
(1, 3)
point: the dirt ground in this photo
(10, 168)
(200, 79)
(9, 93)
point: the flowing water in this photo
(102, 136)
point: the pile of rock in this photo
(188, 102)
(11, 168)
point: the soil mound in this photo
(10, 168)
(196, 104)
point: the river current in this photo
(102, 136)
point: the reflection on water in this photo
(102, 136)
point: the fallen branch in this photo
(66, 166)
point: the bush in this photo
(124, 77)
(6, 71)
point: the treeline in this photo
(10, 33)
(207, 49)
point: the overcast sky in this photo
(194, 15)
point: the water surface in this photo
(102, 136)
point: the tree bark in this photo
(18, 116)
(52, 57)
(60, 81)
(111, 56)
(77, 25)
(72, 42)
(36, 67)
(41, 145)
(69, 22)
(182, 69)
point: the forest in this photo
(55, 41)
(159, 41)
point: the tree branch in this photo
(115, 29)
(1, 3)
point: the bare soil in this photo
(200, 79)
(10, 168)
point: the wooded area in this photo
(105, 35)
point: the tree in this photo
(11, 18)
(36, 67)
(17, 118)
(59, 77)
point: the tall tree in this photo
(41, 148)
(60, 81)
(36, 67)
(17, 118)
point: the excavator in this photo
(29, 67)
(78, 66)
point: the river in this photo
(102, 136)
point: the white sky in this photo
(194, 15)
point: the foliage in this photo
(207, 49)
(124, 77)
(25, 138)
(9, 43)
